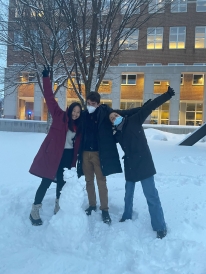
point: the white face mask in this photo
(91, 109)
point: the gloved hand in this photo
(46, 71)
(170, 91)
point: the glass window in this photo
(62, 37)
(18, 40)
(182, 79)
(130, 7)
(177, 37)
(200, 37)
(199, 107)
(35, 38)
(193, 114)
(127, 65)
(154, 38)
(198, 79)
(179, 6)
(106, 40)
(128, 79)
(201, 6)
(123, 105)
(156, 6)
(175, 64)
(130, 42)
(129, 104)
(105, 8)
(153, 64)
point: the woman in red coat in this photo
(58, 150)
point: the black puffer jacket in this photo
(108, 154)
(138, 163)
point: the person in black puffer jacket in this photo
(138, 163)
(98, 153)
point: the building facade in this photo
(170, 49)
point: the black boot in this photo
(105, 217)
(161, 234)
(89, 210)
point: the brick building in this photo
(170, 49)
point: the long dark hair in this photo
(74, 123)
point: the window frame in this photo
(126, 80)
(200, 37)
(125, 7)
(199, 7)
(155, 40)
(196, 84)
(178, 33)
(152, 8)
(178, 5)
(130, 40)
(18, 37)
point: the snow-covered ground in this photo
(72, 243)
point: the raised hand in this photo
(170, 91)
(46, 71)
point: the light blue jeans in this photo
(153, 201)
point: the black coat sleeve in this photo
(127, 112)
(147, 109)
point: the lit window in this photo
(105, 83)
(128, 79)
(177, 37)
(157, 83)
(198, 79)
(37, 10)
(130, 42)
(130, 7)
(201, 6)
(18, 40)
(193, 114)
(156, 6)
(200, 37)
(154, 38)
(179, 6)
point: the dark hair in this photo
(94, 97)
(76, 122)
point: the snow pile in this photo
(71, 242)
(155, 134)
(70, 224)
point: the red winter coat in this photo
(46, 162)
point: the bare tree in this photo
(78, 39)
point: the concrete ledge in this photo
(176, 129)
(22, 125)
(40, 126)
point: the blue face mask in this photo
(118, 120)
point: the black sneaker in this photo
(105, 217)
(89, 210)
(161, 234)
(122, 220)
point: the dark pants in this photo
(65, 162)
